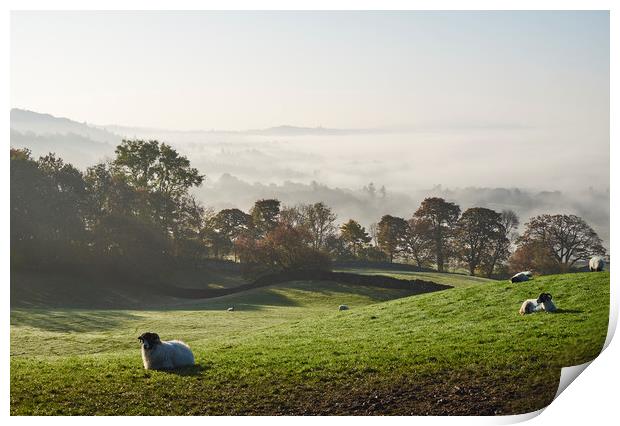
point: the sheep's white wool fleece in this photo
(597, 263)
(167, 355)
(529, 306)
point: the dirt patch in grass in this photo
(449, 393)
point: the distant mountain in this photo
(80, 144)
(270, 131)
(29, 121)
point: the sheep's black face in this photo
(149, 340)
(544, 297)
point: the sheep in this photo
(343, 308)
(597, 264)
(546, 303)
(529, 306)
(163, 355)
(543, 303)
(521, 277)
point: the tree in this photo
(533, 256)
(391, 235)
(159, 171)
(229, 224)
(48, 205)
(441, 217)
(501, 246)
(418, 245)
(265, 215)
(189, 223)
(292, 216)
(567, 238)
(136, 159)
(283, 248)
(31, 192)
(373, 233)
(475, 231)
(354, 236)
(319, 220)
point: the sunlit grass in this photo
(287, 349)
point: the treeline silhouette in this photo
(133, 216)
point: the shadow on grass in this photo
(71, 320)
(568, 311)
(259, 299)
(340, 290)
(252, 300)
(194, 370)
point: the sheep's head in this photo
(544, 297)
(149, 340)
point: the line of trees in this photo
(135, 214)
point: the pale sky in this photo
(246, 70)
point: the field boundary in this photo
(416, 286)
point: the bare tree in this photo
(373, 233)
(568, 238)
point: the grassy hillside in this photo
(286, 349)
(451, 279)
(90, 289)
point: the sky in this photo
(504, 71)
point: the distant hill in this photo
(30, 121)
(284, 130)
(78, 143)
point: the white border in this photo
(592, 399)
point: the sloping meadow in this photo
(287, 350)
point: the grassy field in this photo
(287, 350)
(454, 280)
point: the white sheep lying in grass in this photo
(343, 308)
(521, 277)
(597, 264)
(543, 303)
(158, 355)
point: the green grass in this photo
(287, 350)
(454, 280)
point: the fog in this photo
(401, 160)
(502, 109)
(505, 168)
(498, 168)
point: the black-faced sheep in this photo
(162, 355)
(597, 264)
(343, 308)
(543, 303)
(547, 304)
